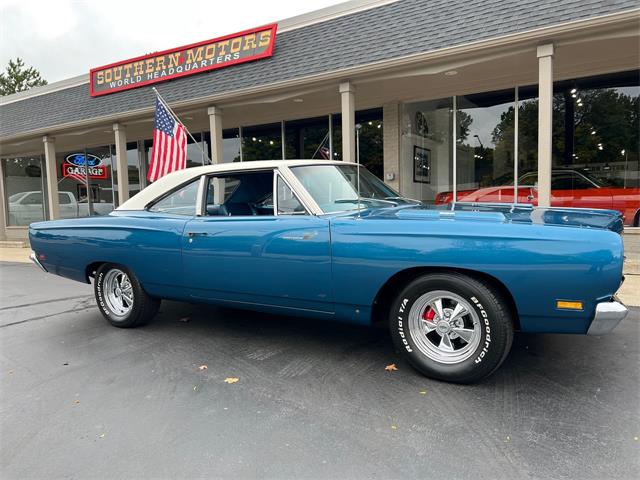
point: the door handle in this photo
(196, 234)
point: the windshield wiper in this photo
(366, 200)
(404, 199)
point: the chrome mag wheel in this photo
(444, 327)
(118, 292)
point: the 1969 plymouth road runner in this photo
(329, 240)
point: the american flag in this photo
(169, 144)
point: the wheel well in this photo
(636, 219)
(386, 295)
(91, 270)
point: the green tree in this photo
(17, 78)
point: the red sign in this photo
(199, 57)
(97, 172)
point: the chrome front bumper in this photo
(608, 316)
(34, 259)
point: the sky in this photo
(65, 38)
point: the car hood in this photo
(565, 217)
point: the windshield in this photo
(335, 187)
(16, 197)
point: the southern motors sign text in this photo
(199, 57)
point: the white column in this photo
(348, 100)
(215, 126)
(545, 122)
(391, 144)
(122, 164)
(52, 176)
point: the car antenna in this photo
(358, 127)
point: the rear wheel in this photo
(451, 327)
(121, 298)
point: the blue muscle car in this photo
(329, 240)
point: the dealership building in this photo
(528, 101)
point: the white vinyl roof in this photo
(175, 179)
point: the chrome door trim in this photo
(277, 174)
(200, 200)
(298, 189)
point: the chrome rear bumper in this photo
(34, 259)
(608, 316)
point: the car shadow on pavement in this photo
(535, 359)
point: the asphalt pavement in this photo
(81, 399)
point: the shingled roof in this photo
(393, 30)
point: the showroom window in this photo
(596, 131)
(486, 138)
(24, 185)
(85, 179)
(485, 147)
(371, 135)
(427, 149)
(371, 151)
(527, 136)
(307, 138)
(262, 142)
(133, 166)
(231, 145)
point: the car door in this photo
(152, 240)
(67, 205)
(31, 208)
(243, 250)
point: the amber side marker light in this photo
(568, 305)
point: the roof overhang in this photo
(618, 24)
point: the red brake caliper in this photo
(429, 314)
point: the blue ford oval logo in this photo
(81, 159)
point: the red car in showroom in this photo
(569, 188)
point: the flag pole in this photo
(155, 90)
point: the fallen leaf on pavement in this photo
(195, 387)
(102, 436)
(77, 402)
(391, 368)
(202, 367)
(231, 380)
(423, 392)
(393, 427)
(10, 372)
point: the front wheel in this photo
(451, 327)
(121, 299)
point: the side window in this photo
(569, 181)
(180, 202)
(220, 189)
(240, 194)
(288, 203)
(63, 199)
(581, 183)
(33, 199)
(562, 181)
(528, 180)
